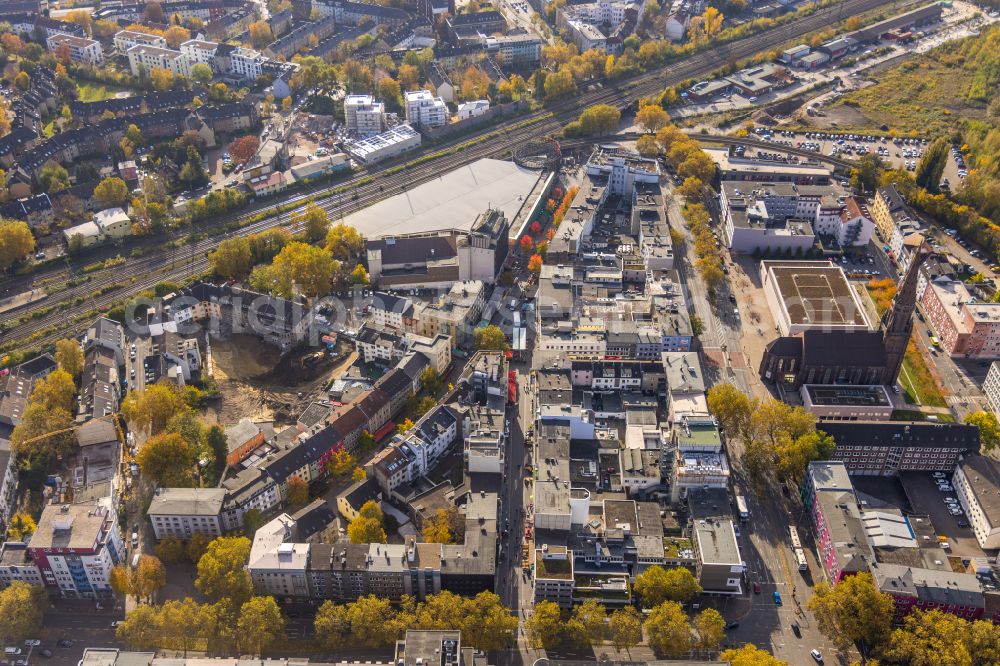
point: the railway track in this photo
(380, 181)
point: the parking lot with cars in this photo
(932, 495)
(896, 152)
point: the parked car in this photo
(45, 652)
(817, 656)
(796, 630)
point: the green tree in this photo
(151, 408)
(359, 276)
(222, 570)
(183, 623)
(196, 546)
(344, 242)
(53, 178)
(112, 191)
(430, 380)
(853, 611)
(989, 428)
(201, 73)
(794, 455)
(668, 631)
(697, 325)
(69, 356)
(168, 460)
(625, 625)
(16, 242)
(232, 259)
(314, 221)
(931, 165)
(656, 585)
(261, 624)
(331, 626)
(486, 623)
(592, 618)
(489, 338)
(307, 266)
(21, 608)
(170, 549)
(189, 427)
(750, 655)
(216, 443)
(372, 621)
(141, 628)
(710, 627)
(599, 119)
(544, 626)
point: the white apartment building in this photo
(126, 39)
(991, 387)
(363, 115)
(510, 50)
(423, 109)
(434, 435)
(15, 565)
(184, 512)
(977, 484)
(277, 566)
(142, 58)
(81, 49)
(199, 51)
(247, 63)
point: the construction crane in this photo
(114, 419)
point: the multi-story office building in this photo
(886, 448)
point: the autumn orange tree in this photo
(535, 264)
(527, 245)
(243, 148)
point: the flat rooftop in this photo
(454, 200)
(833, 395)
(817, 294)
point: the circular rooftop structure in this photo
(544, 154)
